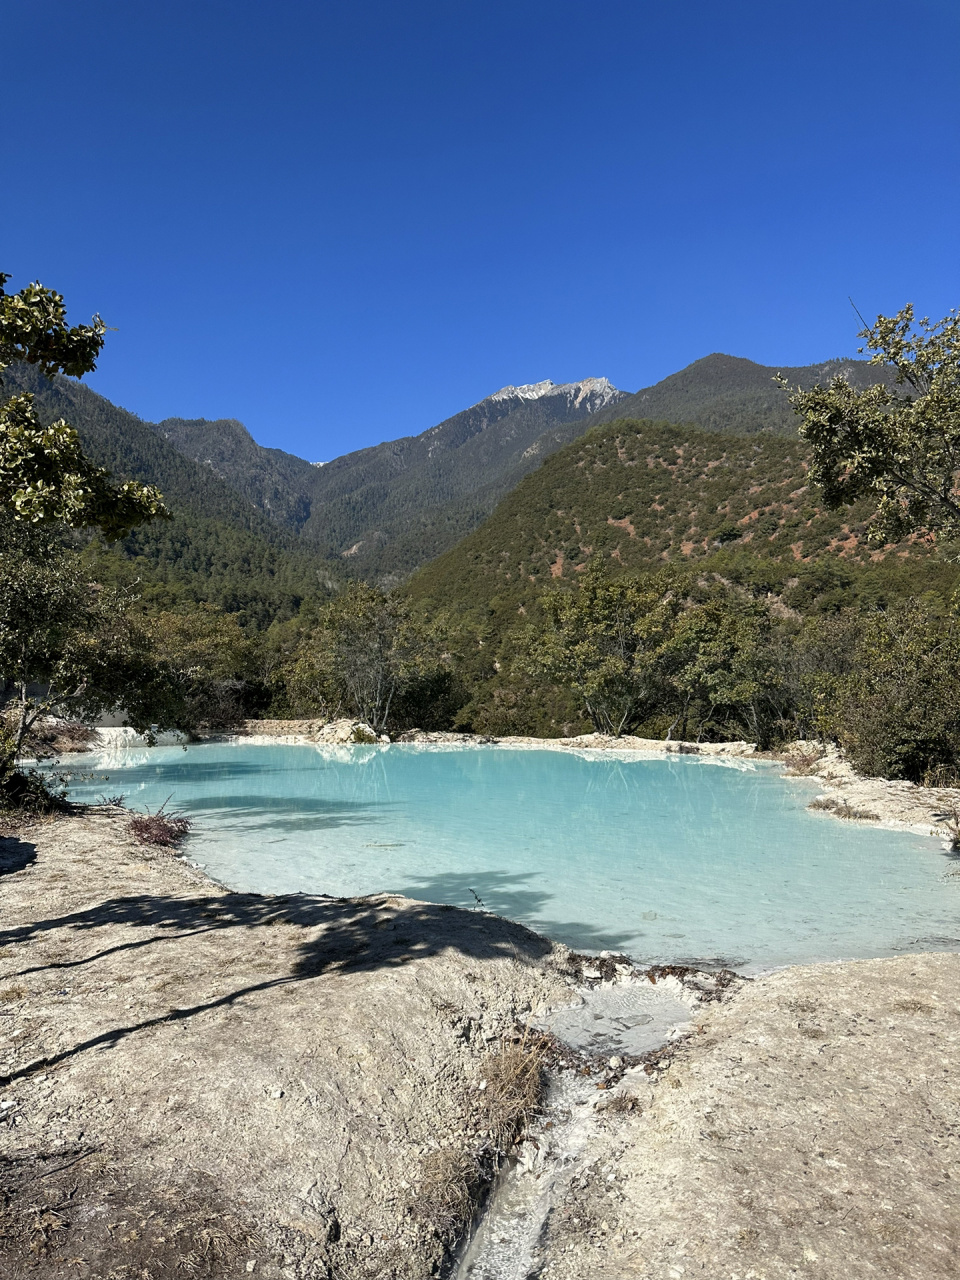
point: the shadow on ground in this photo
(340, 935)
(15, 854)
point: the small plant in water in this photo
(160, 828)
(843, 809)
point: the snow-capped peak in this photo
(598, 390)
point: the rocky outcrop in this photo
(846, 794)
(336, 732)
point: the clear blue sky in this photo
(342, 223)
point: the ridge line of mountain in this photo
(383, 511)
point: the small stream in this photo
(625, 1018)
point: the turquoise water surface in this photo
(668, 859)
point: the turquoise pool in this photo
(668, 859)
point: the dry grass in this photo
(800, 766)
(841, 809)
(951, 823)
(942, 775)
(73, 735)
(621, 1104)
(913, 1006)
(449, 1182)
(514, 1087)
(452, 1179)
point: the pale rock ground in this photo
(811, 1127)
(902, 805)
(203, 1083)
(346, 731)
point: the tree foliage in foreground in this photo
(65, 643)
(45, 477)
(901, 444)
(67, 646)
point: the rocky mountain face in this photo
(385, 510)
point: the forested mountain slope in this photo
(386, 510)
(644, 494)
(257, 529)
(278, 484)
(389, 508)
(217, 547)
(727, 393)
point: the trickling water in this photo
(625, 1018)
(503, 1245)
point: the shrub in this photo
(843, 809)
(899, 716)
(27, 793)
(164, 829)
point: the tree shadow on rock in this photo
(340, 935)
(15, 854)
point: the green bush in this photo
(899, 714)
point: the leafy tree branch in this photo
(899, 445)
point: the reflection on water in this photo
(665, 858)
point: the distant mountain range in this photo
(384, 511)
(727, 393)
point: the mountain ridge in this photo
(387, 508)
(640, 495)
(217, 547)
(384, 511)
(726, 393)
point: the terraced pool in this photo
(674, 858)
